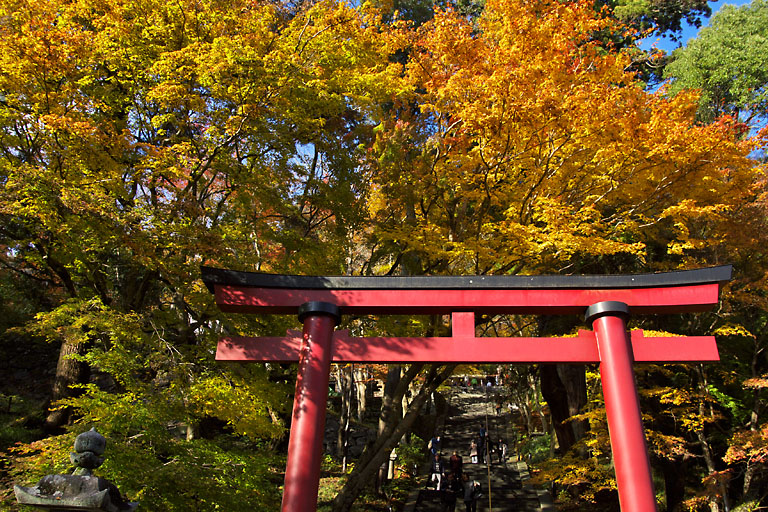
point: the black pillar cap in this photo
(319, 308)
(605, 308)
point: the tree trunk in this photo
(674, 483)
(390, 402)
(361, 384)
(342, 438)
(553, 446)
(706, 450)
(536, 405)
(526, 411)
(749, 492)
(714, 504)
(544, 422)
(69, 371)
(193, 430)
(392, 427)
(564, 387)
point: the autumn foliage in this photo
(534, 150)
(141, 139)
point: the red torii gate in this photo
(605, 301)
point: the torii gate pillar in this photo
(306, 441)
(622, 406)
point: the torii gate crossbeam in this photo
(605, 301)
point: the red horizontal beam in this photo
(466, 349)
(678, 299)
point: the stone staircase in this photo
(507, 481)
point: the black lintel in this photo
(709, 275)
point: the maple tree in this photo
(139, 140)
(517, 159)
(534, 151)
(529, 148)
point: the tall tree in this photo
(660, 15)
(533, 149)
(728, 63)
(140, 139)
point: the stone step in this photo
(509, 490)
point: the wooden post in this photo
(305, 445)
(622, 407)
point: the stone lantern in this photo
(80, 491)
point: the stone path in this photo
(507, 482)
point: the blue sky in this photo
(688, 31)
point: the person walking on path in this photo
(473, 451)
(482, 434)
(436, 471)
(471, 494)
(451, 494)
(434, 445)
(502, 447)
(491, 449)
(456, 464)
